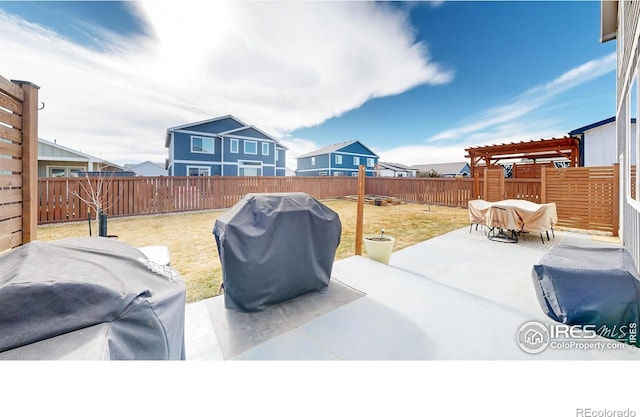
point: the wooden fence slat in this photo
(10, 241)
(12, 119)
(10, 134)
(10, 149)
(10, 181)
(10, 226)
(9, 196)
(11, 89)
(11, 165)
(10, 104)
(10, 210)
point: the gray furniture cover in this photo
(275, 247)
(590, 286)
(88, 298)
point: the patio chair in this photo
(477, 212)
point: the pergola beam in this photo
(567, 147)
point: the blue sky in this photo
(417, 82)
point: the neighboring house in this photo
(598, 142)
(55, 160)
(393, 169)
(148, 169)
(449, 169)
(621, 21)
(341, 159)
(223, 146)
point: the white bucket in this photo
(379, 251)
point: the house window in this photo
(323, 173)
(201, 145)
(277, 155)
(354, 174)
(249, 168)
(337, 174)
(313, 160)
(64, 171)
(250, 147)
(370, 162)
(233, 146)
(338, 159)
(75, 172)
(265, 148)
(356, 160)
(57, 172)
(198, 171)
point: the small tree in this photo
(95, 194)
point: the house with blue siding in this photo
(341, 159)
(223, 146)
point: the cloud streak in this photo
(493, 123)
(275, 65)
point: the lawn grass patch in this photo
(194, 253)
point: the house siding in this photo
(627, 72)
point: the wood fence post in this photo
(360, 210)
(615, 215)
(476, 186)
(543, 185)
(485, 192)
(30, 203)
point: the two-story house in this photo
(223, 146)
(341, 159)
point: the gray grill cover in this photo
(88, 298)
(590, 286)
(275, 247)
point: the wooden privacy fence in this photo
(61, 199)
(18, 162)
(452, 192)
(586, 198)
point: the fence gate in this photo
(493, 184)
(18, 163)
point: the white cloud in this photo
(495, 122)
(277, 65)
(530, 116)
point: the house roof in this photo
(227, 132)
(66, 149)
(444, 168)
(395, 166)
(609, 20)
(334, 148)
(594, 125)
(81, 155)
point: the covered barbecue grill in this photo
(89, 298)
(275, 247)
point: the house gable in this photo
(338, 159)
(356, 148)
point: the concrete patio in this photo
(458, 296)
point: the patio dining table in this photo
(507, 219)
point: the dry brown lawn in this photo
(193, 249)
